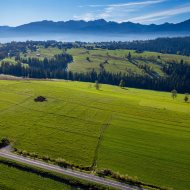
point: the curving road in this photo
(5, 153)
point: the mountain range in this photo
(93, 27)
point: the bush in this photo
(33, 155)
(127, 179)
(4, 142)
(61, 162)
(104, 173)
(45, 158)
(25, 153)
(40, 99)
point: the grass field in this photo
(114, 61)
(117, 61)
(146, 132)
(18, 180)
(42, 53)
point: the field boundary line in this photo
(100, 139)
(18, 104)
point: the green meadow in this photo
(113, 61)
(18, 180)
(147, 133)
(116, 61)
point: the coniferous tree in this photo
(122, 83)
(186, 98)
(174, 93)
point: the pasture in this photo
(116, 61)
(113, 61)
(143, 133)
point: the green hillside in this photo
(117, 61)
(114, 61)
(146, 132)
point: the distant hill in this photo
(4, 28)
(93, 27)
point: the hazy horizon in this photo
(89, 37)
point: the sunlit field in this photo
(146, 133)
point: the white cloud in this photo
(161, 15)
(116, 12)
(137, 3)
(150, 2)
(85, 17)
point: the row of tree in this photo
(59, 61)
(14, 49)
(177, 74)
(178, 45)
(174, 95)
(180, 83)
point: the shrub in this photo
(25, 153)
(186, 98)
(105, 172)
(4, 142)
(33, 155)
(40, 99)
(127, 179)
(61, 162)
(45, 158)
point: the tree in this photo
(186, 98)
(174, 93)
(106, 62)
(122, 83)
(88, 59)
(129, 56)
(97, 85)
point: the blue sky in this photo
(16, 12)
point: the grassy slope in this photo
(147, 136)
(117, 62)
(44, 52)
(18, 180)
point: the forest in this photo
(16, 59)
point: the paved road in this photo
(5, 153)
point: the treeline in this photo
(177, 74)
(14, 49)
(179, 82)
(37, 68)
(180, 45)
(58, 62)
